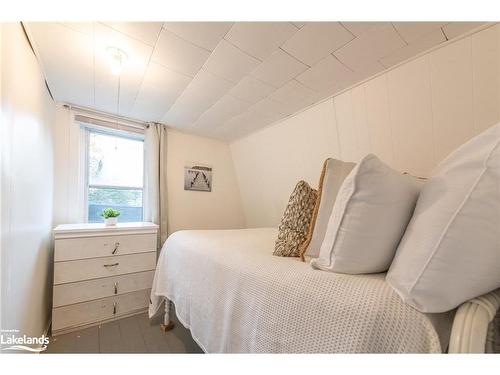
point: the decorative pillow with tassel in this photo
(296, 221)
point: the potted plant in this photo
(110, 216)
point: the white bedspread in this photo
(235, 296)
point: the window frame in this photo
(86, 182)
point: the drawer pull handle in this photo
(111, 265)
(116, 248)
(116, 288)
(114, 308)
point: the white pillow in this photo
(369, 217)
(451, 249)
(333, 175)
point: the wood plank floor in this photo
(135, 334)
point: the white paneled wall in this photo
(26, 186)
(451, 93)
(410, 112)
(485, 78)
(363, 142)
(379, 121)
(345, 126)
(270, 162)
(411, 117)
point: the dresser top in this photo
(101, 228)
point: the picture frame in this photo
(198, 178)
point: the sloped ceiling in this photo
(223, 79)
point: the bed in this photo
(236, 297)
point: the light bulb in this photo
(116, 69)
(117, 59)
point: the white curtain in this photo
(70, 168)
(155, 187)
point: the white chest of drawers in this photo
(101, 273)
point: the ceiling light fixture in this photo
(117, 59)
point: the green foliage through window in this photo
(115, 174)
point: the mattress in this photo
(236, 297)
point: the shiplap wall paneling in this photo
(283, 179)
(345, 127)
(321, 121)
(409, 94)
(281, 161)
(451, 84)
(378, 120)
(411, 117)
(485, 78)
(249, 159)
(360, 121)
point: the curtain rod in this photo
(138, 124)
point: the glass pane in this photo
(115, 161)
(127, 201)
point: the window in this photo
(115, 165)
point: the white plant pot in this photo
(111, 221)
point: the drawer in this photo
(87, 269)
(103, 246)
(67, 294)
(97, 310)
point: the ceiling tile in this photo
(292, 97)
(371, 46)
(320, 96)
(316, 40)
(293, 91)
(150, 105)
(229, 62)
(146, 32)
(176, 53)
(327, 74)
(260, 39)
(278, 69)
(293, 107)
(238, 125)
(201, 93)
(67, 57)
(203, 34)
(247, 116)
(106, 93)
(226, 108)
(268, 108)
(249, 121)
(370, 68)
(251, 89)
(257, 116)
(411, 31)
(160, 88)
(358, 28)
(454, 29)
(254, 94)
(299, 25)
(417, 46)
(83, 27)
(106, 85)
(160, 77)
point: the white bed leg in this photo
(167, 324)
(470, 326)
